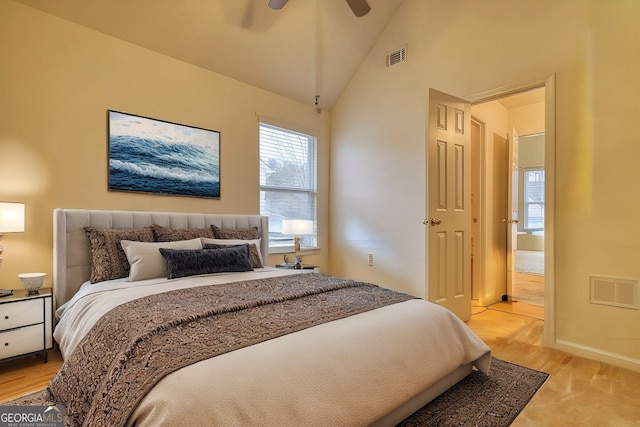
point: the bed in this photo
(260, 346)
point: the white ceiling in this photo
(309, 48)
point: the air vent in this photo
(615, 291)
(397, 56)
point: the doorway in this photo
(486, 254)
(496, 116)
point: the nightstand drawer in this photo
(20, 341)
(21, 313)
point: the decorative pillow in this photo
(108, 260)
(241, 233)
(185, 262)
(255, 256)
(146, 260)
(164, 234)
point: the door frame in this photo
(549, 83)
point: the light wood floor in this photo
(580, 392)
(528, 288)
(22, 376)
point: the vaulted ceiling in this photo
(308, 48)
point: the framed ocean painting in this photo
(154, 156)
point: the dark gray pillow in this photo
(254, 255)
(191, 262)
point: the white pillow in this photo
(146, 260)
(234, 242)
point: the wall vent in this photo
(397, 56)
(615, 291)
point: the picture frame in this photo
(159, 157)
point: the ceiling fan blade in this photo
(277, 4)
(359, 7)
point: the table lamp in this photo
(297, 227)
(11, 220)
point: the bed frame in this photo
(72, 265)
(72, 254)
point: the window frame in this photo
(526, 203)
(309, 243)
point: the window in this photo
(534, 199)
(288, 187)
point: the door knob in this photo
(511, 221)
(433, 221)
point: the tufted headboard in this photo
(72, 254)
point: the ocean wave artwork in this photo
(154, 156)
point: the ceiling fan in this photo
(359, 7)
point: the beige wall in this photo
(58, 79)
(465, 47)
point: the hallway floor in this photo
(528, 288)
(531, 262)
(529, 281)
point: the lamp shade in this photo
(11, 217)
(297, 226)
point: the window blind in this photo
(288, 175)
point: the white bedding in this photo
(93, 300)
(353, 371)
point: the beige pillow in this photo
(146, 260)
(255, 255)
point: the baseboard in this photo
(598, 355)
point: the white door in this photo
(511, 220)
(449, 203)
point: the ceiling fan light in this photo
(359, 7)
(277, 4)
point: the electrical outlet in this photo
(370, 259)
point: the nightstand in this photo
(26, 324)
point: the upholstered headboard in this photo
(72, 254)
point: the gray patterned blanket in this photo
(138, 343)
